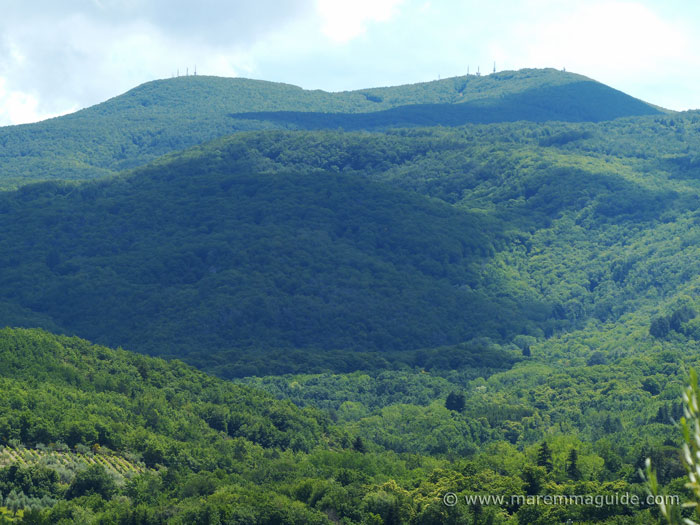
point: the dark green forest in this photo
(339, 307)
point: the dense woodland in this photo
(380, 448)
(393, 313)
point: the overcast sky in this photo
(57, 56)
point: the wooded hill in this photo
(208, 451)
(169, 115)
(380, 244)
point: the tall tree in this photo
(572, 465)
(456, 401)
(544, 457)
(359, 445)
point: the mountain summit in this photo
(169, 115)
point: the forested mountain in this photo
(380, 244)
(169, 115)
(487, 306)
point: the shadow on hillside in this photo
(585, 101)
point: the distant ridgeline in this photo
(168, 115)
(584, 101)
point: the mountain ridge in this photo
(163, 116)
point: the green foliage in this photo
(305, 245)
(210, 261)
(668, 504)
(544, 457)
(661, 326)
(456, 401)
(572, 468)
(359, 445)
(93, 480)
(206, 238)
(122, 401)
(577, 101)
(199, 473)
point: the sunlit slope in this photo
(91, 395)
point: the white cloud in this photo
(344, 20)
(17, 107)
(617, 35)
(628, 45)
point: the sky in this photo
(58, 56)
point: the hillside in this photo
(117, 399)
(169, 115)
(583, 101)
(89, 434)
(277, 252)
(216, 258)
(101, 405)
